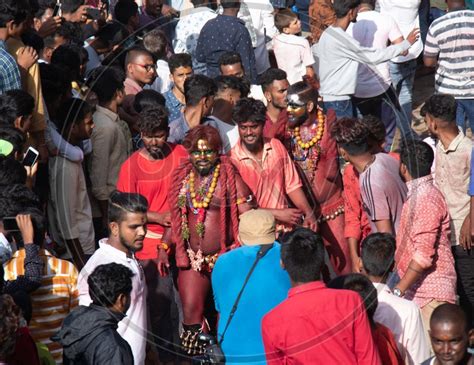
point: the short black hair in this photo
(11, 171)
(232, 82)
(450, 313)
(156, 43)
(418, 157)
(71, 32)
(105, 82)
(122, 203)
(148, 99)
(197, 87)
(352, 135)
(135, 52)
(124, 10)
(153, 119)
(305, 91)
(8, 112)
(302, 254)
(229, 58)
(179, 60)
(15, 199)
(441, 106)
(249, 109)
(362, 285)
(14, 10)
(13, 135)
(69, 58)
(342, 7)
(70, 6)
(44, 5)
(23, 102)
(378, 254)
(32, 39)
(377, 131)
(272, 74)
(230, 4)
(107, 282)
(73, 111)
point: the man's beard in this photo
(125, 243)
(253, 147)
(155, 153)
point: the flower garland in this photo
(308, 153)
(199, 201)
(317, 137)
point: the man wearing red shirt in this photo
(315, 325)
(275, 88)
(148, 172)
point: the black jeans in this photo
(464, 262)
(163, 310)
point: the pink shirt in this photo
(423, 236)
(131, 87)
(273, 179)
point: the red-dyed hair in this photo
(228, 196)
(206, 132)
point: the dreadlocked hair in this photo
(228, 196)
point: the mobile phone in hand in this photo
(57, 9)
(30, 157)
(10, 225)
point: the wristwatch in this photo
(398, 292)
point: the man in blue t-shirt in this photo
(267, 287)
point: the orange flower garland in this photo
(313, 141)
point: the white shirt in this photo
(133, 328)
(403, 318)
(229, 133)
(256, 92)
(405, 13)
(338, 55)
(162, 82)
(373, 30)
(263, 21)
(293, 55)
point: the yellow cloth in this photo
(33, 87)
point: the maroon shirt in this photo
(318, 325)
(276, 130)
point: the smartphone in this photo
(30, 157)
(10, 225)
(93, 13)
(56, 10)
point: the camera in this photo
(212, 351)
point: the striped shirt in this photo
(54, 299)
(382, 191)
(451, 37)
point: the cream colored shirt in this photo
(69, 209)
(110, 148)
(452, 175)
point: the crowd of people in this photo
(188, 182)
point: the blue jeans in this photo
(343, 108)
(403, 78)
(385, 107)
(465, 111)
